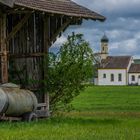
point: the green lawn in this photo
(101, 113)
(124, 99)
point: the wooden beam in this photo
(27, 55)
(3, 48)
(46, 51)
(1, 13)
(53, 38)
(19, 11)
(18, 26)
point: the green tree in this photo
(68, 70)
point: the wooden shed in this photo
(27, 29)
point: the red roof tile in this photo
(115, 62)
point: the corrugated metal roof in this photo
(116, 62)
(135, 68)
(64, 7)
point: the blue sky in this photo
(122, 26)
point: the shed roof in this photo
(135, 68)
(64, 7)
(7, 2)
(116, 62)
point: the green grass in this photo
(101, 113)
(109, 99)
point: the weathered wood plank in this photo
(18, 26)
(25, 55)
(46, 50)
(18, 11)
(3, 49)
(62, 27)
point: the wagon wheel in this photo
(30, 117)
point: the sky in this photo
(122, 26)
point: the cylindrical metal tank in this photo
(15, 101)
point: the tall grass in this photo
(101, 113)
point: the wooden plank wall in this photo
(25, 52)
(26, 48)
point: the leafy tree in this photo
(68, 70)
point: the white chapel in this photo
(116, 70)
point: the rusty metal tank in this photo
(15, 101)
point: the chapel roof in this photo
(135, 68)
(115, 62)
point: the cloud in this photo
(129, 46)
(122, 26)
(111, 7)
(60, 40)
(55, 47)
(125, 47)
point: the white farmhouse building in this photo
(116, 70)
(134, 74)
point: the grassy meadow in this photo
(100, 113)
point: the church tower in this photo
(104, 47)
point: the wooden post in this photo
(46, 50)
(3, 49)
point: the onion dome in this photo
(104, 39)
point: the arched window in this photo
(133, 77)
(112, 78)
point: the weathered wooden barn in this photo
(27, 29)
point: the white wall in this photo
(95, 81)
(108, 72)
(129, 65)
(130, 62)
(137, 79)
